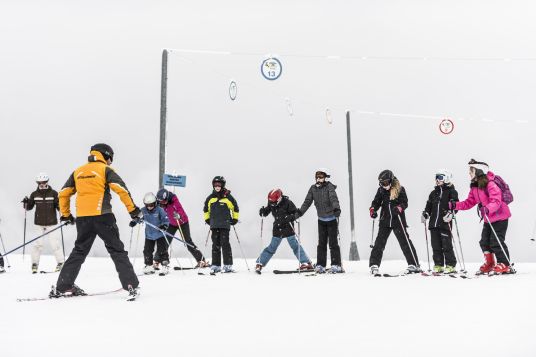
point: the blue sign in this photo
(174, 180)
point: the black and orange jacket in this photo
(92, 183)
(220, 208)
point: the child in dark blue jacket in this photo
(155, 215)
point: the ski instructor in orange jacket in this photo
(92, 183)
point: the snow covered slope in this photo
(244, 314)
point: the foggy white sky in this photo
(76, 73)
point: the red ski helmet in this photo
(275, 195)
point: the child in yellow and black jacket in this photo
(221, 212)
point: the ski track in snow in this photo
(245, 314)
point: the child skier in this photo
(439, 216)
(391, 198)
(157, 217)
(494, 211)
(46, 203)
(323, 194)
(179, 221)
(221, 212)
(283, 210)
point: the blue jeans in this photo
(270, 250)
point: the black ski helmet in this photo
(219, 179)
(386, 175)
(105, 150)
(163, 195)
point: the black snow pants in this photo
(327, 233)
(443, 251)
(221, 245)
(192, 248)
(489, 242)
(161, 254)
(379, 246)
(87, 230)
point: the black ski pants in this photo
(443, 251)
(192, 248)
(327, 234)
(87, 230)
(1, 261)
(381, 240)
(489, 243)
(221, 245)
(161, 254)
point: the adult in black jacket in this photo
(284, 211)
(392, 199)
(221, 212)
(323, 194)
(45, 201)
(439, 222)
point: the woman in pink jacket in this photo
(178, 218)
(495, 213)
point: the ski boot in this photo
(34, 268)
(335, 269)
(449, 269)
(488, 265)
(412, 269)
(164, 270)
(133, 293)
(214, 269)
(58, 267)
(228, 269)
(2, 269)
(149, 269)
(202, 264)
(306, 266)
(156, 266)
(501, 268)
(375, 270)
(319, 269)
(73, 291)
(438, 269)
(258, 268)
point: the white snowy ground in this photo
(245, 314)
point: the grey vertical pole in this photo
(163, 119)
(354, 254)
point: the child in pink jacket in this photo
(495, 213)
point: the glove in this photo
(177, 216)
(133, 223)
(261, 211)
(484, 211)
(25, 202)
(337, 212)
(68, 220)
(207, 221)
(399, 209)
(298, 214)
(424, 217)
(452, 205)
(448, 217)
(234, 221)
(373, 213)
(136, 214)
(163, 227)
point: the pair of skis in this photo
(72, 296)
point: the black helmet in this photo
(385, 177)
(105, 150)
(163, 195)
(219, 179)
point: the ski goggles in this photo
(440, 177)
(320, 176)
(385, 183)
(217, 184)
(150, 206)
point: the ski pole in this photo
(165, 233)
(339, 238)
(299, 245)
(262, 224)
(24, 236)
(241, 250)
(136, 247)
(4, 249)
(372, 236)
(62, 243)
(409, 243)
(36, 238)
(498, 240)
(427, 248)
(459, 241)
(182, 236)
(130, 241)
(171, 253)
(455, 248)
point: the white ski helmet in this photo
(447, 175)
(149, 198)
(324, 171)
(41, 177)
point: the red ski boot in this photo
(488, 265)
(501, 268)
